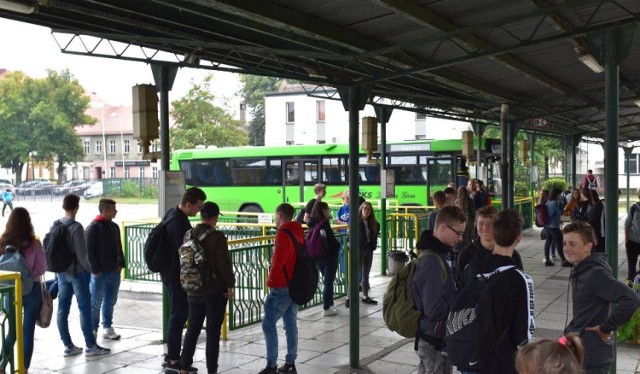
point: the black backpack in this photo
(470, 338)
(57, 250)
(304, 282)
(155, 251)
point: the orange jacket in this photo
(284, 255)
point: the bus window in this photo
(440, 174)
(333, 170)
(292, 173)
(310, 172)
(407, 170)
(248, 171)
(204, 173)
(274, 173)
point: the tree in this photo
(253, 90)
(37, 118)
(200, 122)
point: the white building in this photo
(293, 117)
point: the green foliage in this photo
(33, 112)
(253, 90)
(200, 122)
(630, 331)
(552, 183)
(521, 189)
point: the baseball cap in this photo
(211, 209)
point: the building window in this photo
(141, 172)
(127, 147)
(87, 147)
(112, 172)
(139, 149)
(322, 142)
(155, 146)
(291, 113)
(632, 165)
(154, 172)
(98, 147)
(127, 172)
(290, 142)
(112, 147)
(320, 111)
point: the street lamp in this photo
(115, 115)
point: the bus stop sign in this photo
(540, 122)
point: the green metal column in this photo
(383, 113)
(532, 187)
(504, 160)
(575, 141)
(627, 160)
(354, 99)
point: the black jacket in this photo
(372, 243)
(471, 255)
(594, 289)
(177, 224)
(104, 246)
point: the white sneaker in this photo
(332, 311)
(97, 350)
(111, 334)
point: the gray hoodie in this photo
(78, 245)
(594, 288)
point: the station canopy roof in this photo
(459, 59)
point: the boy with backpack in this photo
(493, 315)
(433, 293)
(278, 303)
(632, 240)
(209, 300)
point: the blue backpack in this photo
(13, 260)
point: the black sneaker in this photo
(175, 368)
(165, 361)
(368, 300)
(269, 370)
(548, 263)
(346, 303)
(288, 368)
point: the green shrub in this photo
(630, 331)
(521, 189)
(552, 183)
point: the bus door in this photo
(298, 173)
(440, 174)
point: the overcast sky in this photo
(32, 50)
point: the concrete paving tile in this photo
(379, 341)
(383, 367)
(308, 333)
(250, 349)
(125, 358)
(303, 355)
(401, 356)
(317, 345)
(330, 360)
(91, 367)
(334, 336)
(365, 350)
(136, 369)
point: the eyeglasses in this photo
(459, 233)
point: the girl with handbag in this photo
(19, 233)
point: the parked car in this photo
(95, 190)
(43, 188)
(73, 186)
(24, 188)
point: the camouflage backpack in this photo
(195, 271)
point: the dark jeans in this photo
(178, 316)
(213, 307)
(633, 250)
(5, 205)
(328, 267)
(366, 259)
(555, 235)
(31, 308)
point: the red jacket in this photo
(284, 255)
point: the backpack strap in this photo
(204, 235)
(298, 247)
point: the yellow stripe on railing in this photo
(15, 277)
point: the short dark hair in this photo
(318, 209)
(450, 191)
(507, 226)
(583, 229)
(450, 215)
(487, 211)
(70, 202)
(286, 210)
(104, 203)
(192, 196)
(440, 197)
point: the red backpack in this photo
(542, 216)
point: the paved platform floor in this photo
(323, 343)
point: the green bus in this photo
(257, 179)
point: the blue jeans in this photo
(31, 308)
(104, 293)
(328, 267)
(279, 305)
(179, 313)
(68, 285)
(212, 307)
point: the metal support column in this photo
(164, 75)
(354, 99)
(383, 113)
(575, 141)
(504, 160)
(627, 161)
(513, 130)
(479, 129)
(532, 186)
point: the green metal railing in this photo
(12, 354)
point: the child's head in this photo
(345, 197)
(450, 224)
(507, 226)
(562, 356)
(578, 240)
